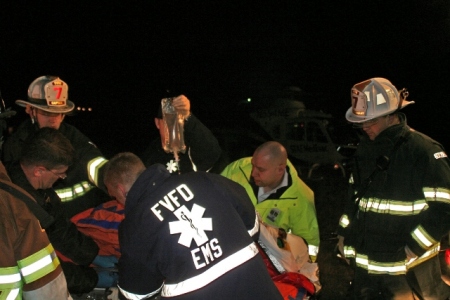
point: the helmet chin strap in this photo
(33, 117)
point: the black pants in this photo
(380, 287)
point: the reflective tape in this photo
(255, 228)
(214, 272)
(421, 236)
(38, 264)
(393, 207)
(93, 166)
(132, 296)
(75, 191)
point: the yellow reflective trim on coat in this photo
(426, 256)
(421, 236)
(349, 252)
(437, 194)
(10, 277)
(393, 207)
(75, 191)
(38, 264)
(93, 166)
(374, 267)
(344, 221)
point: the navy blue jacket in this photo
(193, 235)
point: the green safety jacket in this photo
(291, 208)
(407, 204)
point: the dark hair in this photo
(47, 147)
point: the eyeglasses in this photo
(61, 175)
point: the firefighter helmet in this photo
(375, 98)
(48, 93)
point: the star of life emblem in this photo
(172, 166)
(191, 225)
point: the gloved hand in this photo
(106, 279)
(105, 261)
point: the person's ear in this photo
(38, 171)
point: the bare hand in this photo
(182, 105)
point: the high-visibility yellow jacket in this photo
(291, 208)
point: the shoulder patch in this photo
(441, 154)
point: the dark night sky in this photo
(120, 56)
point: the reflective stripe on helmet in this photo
(225, 265)
(38, 264)
(93, 168)
(75, 191)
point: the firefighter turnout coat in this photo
(29, 268)
(291, 208)
(83, 187)
(407, 204)
(190, 237)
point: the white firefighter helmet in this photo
(375, 98)
(48, 93)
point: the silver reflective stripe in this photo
(38, 265)
(392, 207)
(203, 279)
(194, 167)
(132, 296)
(255, 228)
(4, 279)
(13, 294)
(93, 166)
(313, 250)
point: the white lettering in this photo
(208, 255)
(157, 212)
(215, 246)
(196, 259)
(166, 203)
(173, 198)
(185, 192)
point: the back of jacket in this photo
(193, 233)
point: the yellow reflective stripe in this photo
(349, 251)
(11, 294)
(255, 228)
(344, 221)
(93, 166)
(374, 267)
(132, 296)
(75, 191)
(225, 265)
(38, 264)
(426, 256)
(10, 277)
(422, 237)
(393, 207)
(437, 194)
(313, 250)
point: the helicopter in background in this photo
(313, 139)
(308, 135)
